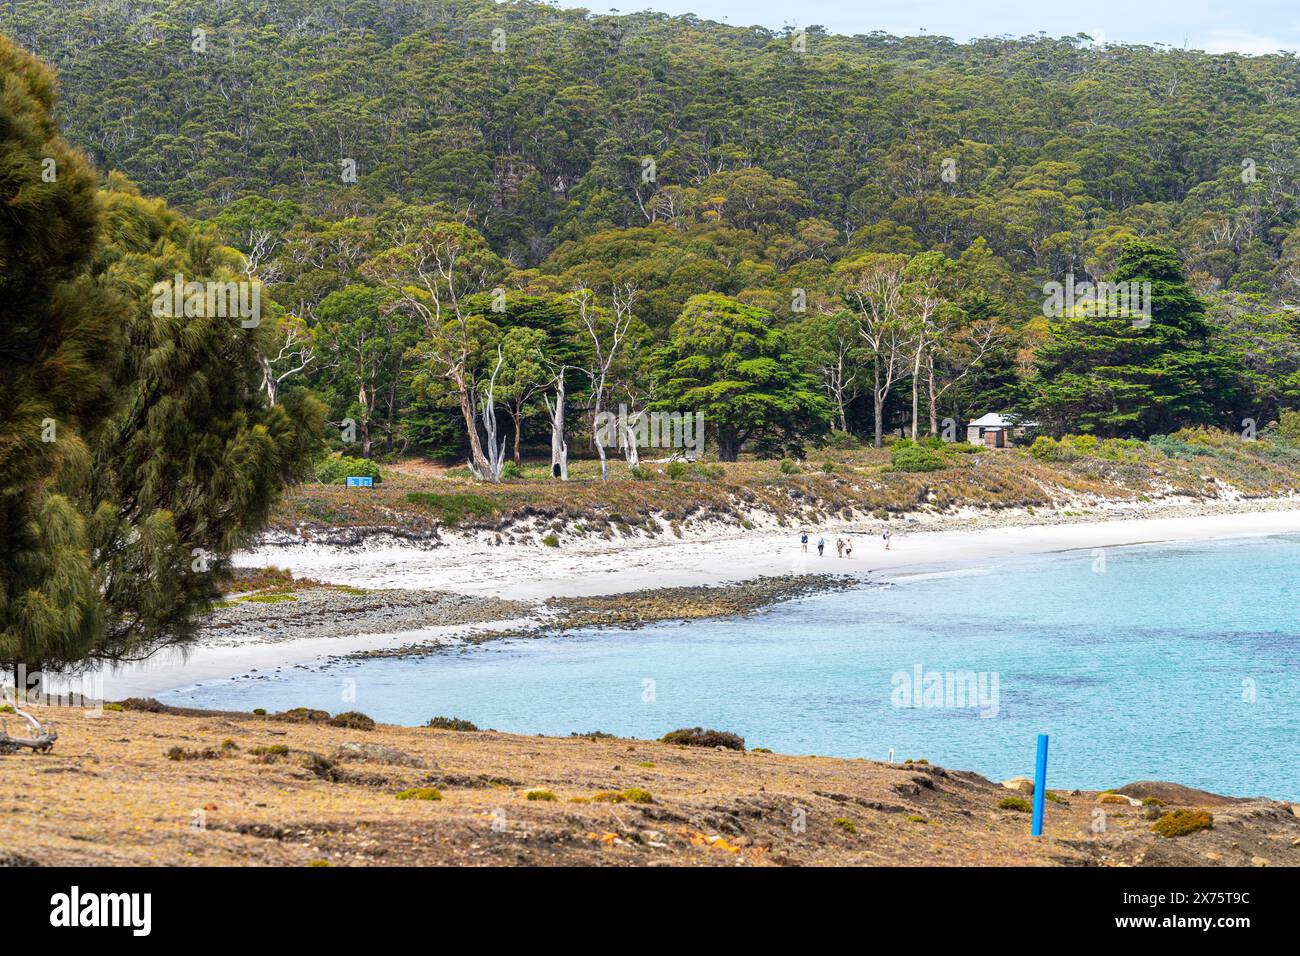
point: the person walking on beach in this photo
(839, 547)
(848, 548)
(821, 545)
(886, 537)
(803, 541)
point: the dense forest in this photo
(460, 210)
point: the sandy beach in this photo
(531, 575)
(604, 568)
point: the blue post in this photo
(1040, 786)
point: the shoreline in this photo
(541, 578)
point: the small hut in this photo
(995, 431)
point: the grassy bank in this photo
(417, 498)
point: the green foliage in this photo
(352, 720)
(420, 793)
(1172, 446)
(725, 359)
(1182, 822)
(139, 443)
(1111, 375)
(699, 737)
(336, 469)
(454, 508)
(1289, 427)
(845, 824)
(907, 455)
(536, 173)
(1018, 804)
(693, 471)
(450, 723)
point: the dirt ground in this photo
(253, 790)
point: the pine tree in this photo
(141, 450)
(1115, 372)
(59, 341)
(726, 360)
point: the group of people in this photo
(843, 546)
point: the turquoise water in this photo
(1177, 662)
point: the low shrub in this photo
(304, 715)
(539, 793)
(270, 750)
(1288, 427)
(450, 723)
(907, 456)
(637, 795)
(699, 737)
(845, 824)
(146, 704)
(353, 720)
(1172, 447)
(453, 508)
(788, 467)
(694, 471)
(1181, 822)
(1018, 804)
(840, 440)
(551, 541)
(1046, 448)
(181, 753)
(336, 469)
(420, 793)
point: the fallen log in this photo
(42, 741)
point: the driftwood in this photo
(42, 741)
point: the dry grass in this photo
(283, 793)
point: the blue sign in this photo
(355, 481)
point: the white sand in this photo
(537, 573)
(583, 570)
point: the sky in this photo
(1216, 26)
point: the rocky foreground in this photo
(173, 787)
